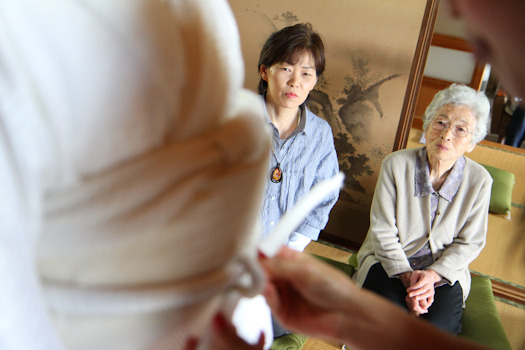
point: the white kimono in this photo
(131, 172)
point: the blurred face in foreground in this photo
(497, 34)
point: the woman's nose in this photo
(294, 80)
(447, 134)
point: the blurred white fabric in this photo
(132, 166)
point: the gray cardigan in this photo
(400, 222)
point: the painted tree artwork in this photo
(370, 47)
(360, 101)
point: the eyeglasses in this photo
(458, 130)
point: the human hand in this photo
(405, 278)
(307, 295)
(417, 308)
(421, 288)
(316, 299)
(225, 337)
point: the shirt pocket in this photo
(293, 188)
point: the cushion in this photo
(353, 261)
(292, 341)
(346, 268)
(501, 194)
(480, 320)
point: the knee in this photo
(390, 288)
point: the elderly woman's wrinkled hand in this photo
(405, 278)
(414, 307)
(420, 293)
(422, 284)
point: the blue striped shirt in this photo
(307, 157)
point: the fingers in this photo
(418, 280)
(191, 344)
(302, 290)
(284, 254)
(276, 287)
(414, 307)
(225, 337)
(426, 303)
(271, 295)
(413, 313)
(422, 287)
(306, 275)
(405, 278)
(415, 277)
(422, 294)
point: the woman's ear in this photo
(471, 147)
(263, 71)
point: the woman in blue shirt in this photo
(303, 152)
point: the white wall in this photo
(447, 25)
(447, 64)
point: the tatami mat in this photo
(318, 344)
(513, 320)
(504, 254)
(326, 250)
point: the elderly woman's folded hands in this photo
(420, 290)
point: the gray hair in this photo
(458, 94)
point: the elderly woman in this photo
(429, 213)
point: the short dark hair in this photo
(287, 45)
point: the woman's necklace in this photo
(277, 173)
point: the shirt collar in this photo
(423, 186)
(301, 128)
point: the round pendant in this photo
(277, 175)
